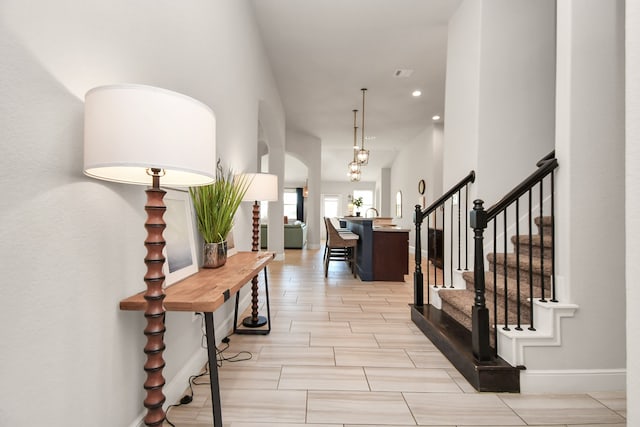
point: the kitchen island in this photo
(383, 249)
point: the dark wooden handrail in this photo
(479, 219)
(551, 155)
(433, 206)
(545, 166)
(418, 217)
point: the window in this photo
(290, 203)
(330, 205)
(330, 209)
(367, 199)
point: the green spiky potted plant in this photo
(216, 205)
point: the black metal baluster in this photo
(495, 284)
(506, 298)
(459, 203)
(466, 228)
(531, 297)
(451, 245)
(444, 233)
(418, 285)
(553, 243)
(518, 326)
(429, 255)
(435, 247)
(542, 240)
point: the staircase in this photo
(505, 301)
(484, 324)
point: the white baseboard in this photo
(139, 421)
(572, 380)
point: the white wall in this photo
(272, 133)
(516, 92)
(590, 231)
(383, 192)
(420, 158)
(632, 199)
(73, 246)
(499, 115)
(460, 151)
(500, 93)
(307, 148)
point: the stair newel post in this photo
(480, 313)
(418, 295)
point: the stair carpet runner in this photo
(457, 303)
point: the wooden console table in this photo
(205, 292)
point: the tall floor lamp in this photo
(263, 187)
(138, 135)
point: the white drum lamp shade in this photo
(263, 187)
(130, 129)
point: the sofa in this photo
(295, 235)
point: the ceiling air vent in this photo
(402, 73)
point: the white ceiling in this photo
(323, 52)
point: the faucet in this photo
(375, 213)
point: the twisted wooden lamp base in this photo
(255, 321)
(155, 311)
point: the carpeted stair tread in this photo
(541, 246)
(536, 240)
(512, 287)
(537, 263)
(546, 221)
(544, 225)
(458, 304)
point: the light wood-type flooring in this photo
(344, 353)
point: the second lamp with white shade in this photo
(262, 187)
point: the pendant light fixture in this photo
(363, 154)
(354, 166)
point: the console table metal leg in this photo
(266, 292)
(235, 313)
(213, 370)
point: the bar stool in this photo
(340, 247)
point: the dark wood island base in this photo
(383, 251)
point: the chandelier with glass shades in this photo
(363, 154)
(355, 173)
(360, 153)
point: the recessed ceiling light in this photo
(436, 117)
(416, 93)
